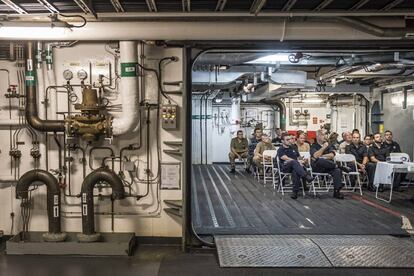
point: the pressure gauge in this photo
(67, 75)
(82, 75)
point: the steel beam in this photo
(49, 6)
(117, 6)
(14, 6)
(220, 5)
(257, 6)
(186, 5)
(86, 6)
(152, 6)
(359, 5)
(391, 5)
(289, 5)
(323, 5)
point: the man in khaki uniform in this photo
(238, 149)
(265, 144)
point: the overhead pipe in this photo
(129, 89)
(32, 116)
(53, 200)
(282, 110)
(118, 192)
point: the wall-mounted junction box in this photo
(169, 114)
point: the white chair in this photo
(345, 160)
(284, 176)
(305, 155)
(321, 178)
(267, 162)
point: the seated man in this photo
(360, 151)
(238, 149)
(393, 146)
(368, 141)
(265, 144)
(256, 139)
(346, 142)
(378, 152)
(278, 135)
(322, 154)
(289, 163)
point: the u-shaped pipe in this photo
(53, 199)
(118, 192)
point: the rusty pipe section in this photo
(118, 192)
(32, 116)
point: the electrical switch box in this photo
(169, 114)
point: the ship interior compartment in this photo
(289, 91)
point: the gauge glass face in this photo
(68, 75)
(82, 75)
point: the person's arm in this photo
(232, 149)
(398, 147)
(371, 156)
(257, 151)
(319, 153)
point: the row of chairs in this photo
(323, 181)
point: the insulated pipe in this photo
(53, 199)
(129, 89)
(118, 192)
(282, 111)
(50, 73)
(32, 116)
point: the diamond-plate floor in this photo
(314, 251)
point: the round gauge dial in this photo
(68, 75)
(82, 75)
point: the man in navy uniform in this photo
(290, 163)
(322, 154)
(392, 145)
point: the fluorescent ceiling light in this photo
(271, 58)
(312, 100)
(20, 30)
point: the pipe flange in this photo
(88, 238)
(54, 237)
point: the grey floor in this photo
(225, 203)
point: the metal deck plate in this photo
(269, 251)
(367, 251)
(315, 251)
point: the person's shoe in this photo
(233, 170)
(337, 194)
(371, 188)
(345, 169)
(306, 188)
(294, 195)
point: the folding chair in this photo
(283, 176)
(268, 165)
(345, 160)
(321, 178)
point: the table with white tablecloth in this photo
(385, 172)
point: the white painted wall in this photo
(147, 221)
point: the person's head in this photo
(265, 138)
(258, 132)
(356, 138)
(355, 130)
(377, 138)
(388, 136)
(368, 140)
(320, 136)
(240, 134)
(343, 135)
(301, 138)
(278, 132)
(348, 137)
(333, 138)
(286, 139)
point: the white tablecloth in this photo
(383, 172)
